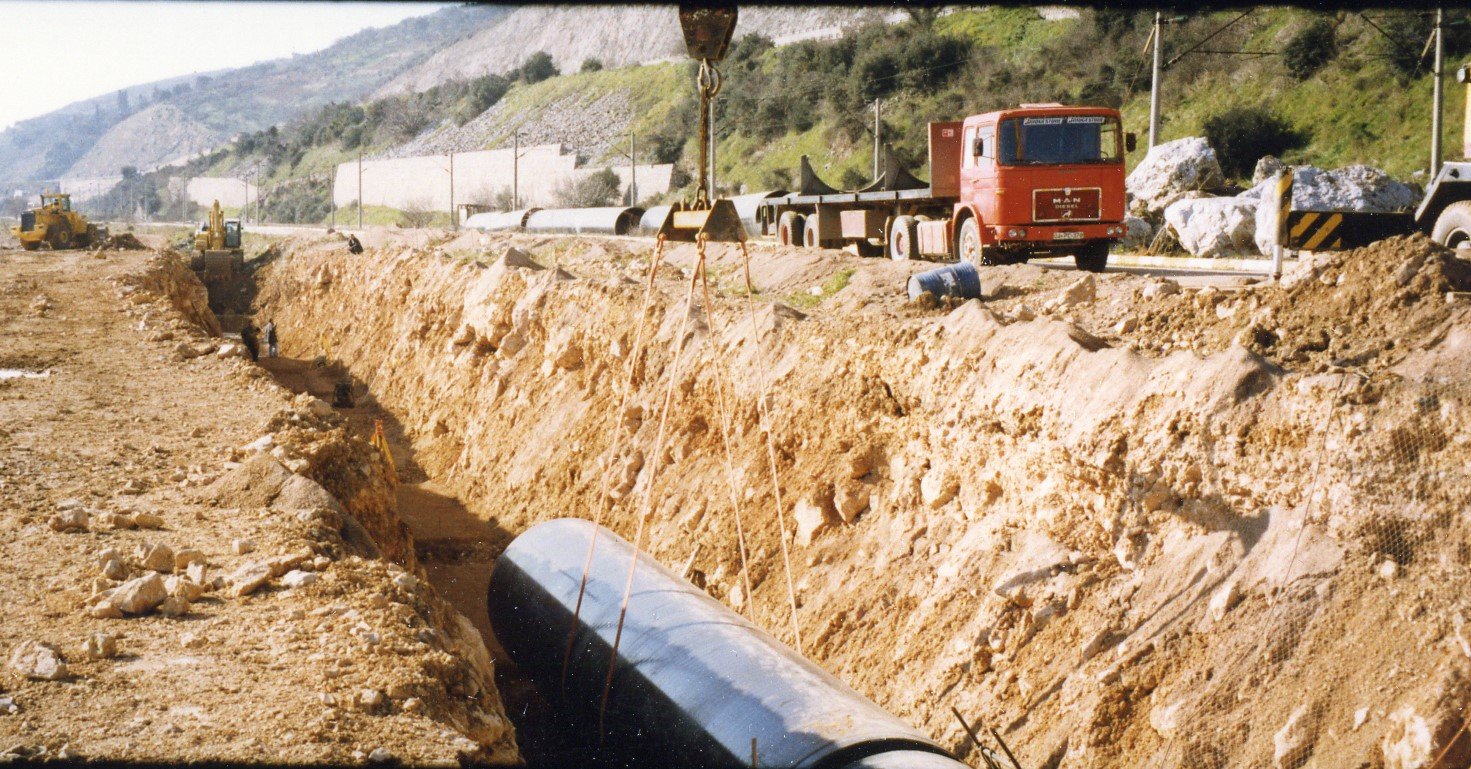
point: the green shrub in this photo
(1312, 47)
(1243, 135)
(591, 65)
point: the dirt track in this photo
(138, 413)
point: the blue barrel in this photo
(959, 280)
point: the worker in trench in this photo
(272, 347)
(248, 338)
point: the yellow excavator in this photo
(219, 255)
(56, 225)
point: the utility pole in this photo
(1439, 100)
(632, 168)
(1154, 79)
(877, 127)
(454, 219)
(516, 170)
(360, 189)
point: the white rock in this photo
(937, 487)
(173, 606)
(406, 581)
(192, 640)
(1165, 719)
(187, 557)
(38, 661)
(380, 756)
(1388, 569)
(156, 557)
(298, 578)
(115, 569)
(249, 578)
(1082, 291)
(242, 546)
(1215, 227)
(1159, 288)
(811, 519)
(69, 520)
(99, 646)
(141, 595)
(147, 521)
(1293, 743)
(370, 700)
(1223, 601)
(262, 444)
(1360, 716)
(319, 408)
(186, 589)
(1172, 169)
(1138, 234)
(851, 500)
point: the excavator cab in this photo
(707, 35)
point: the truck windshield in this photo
(1059, 140)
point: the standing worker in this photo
(272, 348)
(252, 345)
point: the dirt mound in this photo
(1077, 509)
(122, 241)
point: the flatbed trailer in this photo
(1071, 186)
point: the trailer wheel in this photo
(1092, 257)
(809, 237)
(1453, 226)
(904, 239)
(789, 228)
(968, 245)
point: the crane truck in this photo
(1039, 179)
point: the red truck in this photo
(1041, 179)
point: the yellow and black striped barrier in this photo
(1340, 230)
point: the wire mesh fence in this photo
(1362, 654)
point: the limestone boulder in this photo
(1170, 171)
(1215, 227)
(1351, 188)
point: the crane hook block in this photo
(707, 30)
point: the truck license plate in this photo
(1067, 236)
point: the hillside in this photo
(209, 109)
(617, 36)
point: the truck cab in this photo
(1040, 179)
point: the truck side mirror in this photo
(980, 147)
(1130, 142)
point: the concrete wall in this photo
(205, 190)
(424, 181)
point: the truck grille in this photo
(1067, 204)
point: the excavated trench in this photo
(456, 549)
(1085, 537)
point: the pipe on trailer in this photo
(610, 220)
(694, 683)
(499, 220)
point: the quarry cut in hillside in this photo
(198, 565)
(1126, 522)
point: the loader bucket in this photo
(719, 223)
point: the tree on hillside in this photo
(1243, 135)
(538, 67)
(416, 213)
(1312, 47)
(591, 65)
(597, 189)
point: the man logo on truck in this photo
(1040, 179)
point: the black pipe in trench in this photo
(694, 682)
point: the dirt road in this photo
(121, 464)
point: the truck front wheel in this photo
(1092, 257)
(1453, 226)
(789, 228)
(968, 245)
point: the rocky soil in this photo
(1126, 520)
(199, 566)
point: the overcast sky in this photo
(55, 53)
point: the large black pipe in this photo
(694, 682)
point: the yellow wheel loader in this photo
(56, 225)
